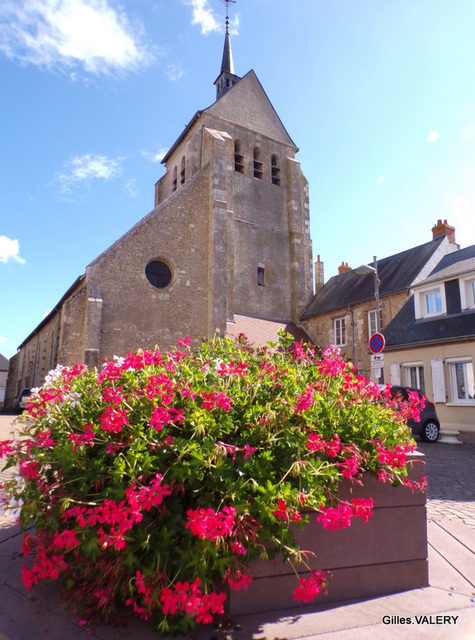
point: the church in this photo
(226, 247)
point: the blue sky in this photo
(379, 95)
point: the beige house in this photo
(228, 238)
(343, 310)
(430, 344)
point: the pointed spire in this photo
(227, 65)
(226, 78)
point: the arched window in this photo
(258, 172)
(182, 172)
(260, 276)
(238, 157)
(275, 170)
(175, 181)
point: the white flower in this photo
(54, 375)
(14, 506)
(74, 397)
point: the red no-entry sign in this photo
(376, 343)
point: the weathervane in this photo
(227, 3)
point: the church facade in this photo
(229, 237)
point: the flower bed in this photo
(386, 555)
(156, 482)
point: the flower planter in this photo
(386, 555)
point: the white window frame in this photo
(407, 366)
(467, 382)
(420, 301)
(338, 325)
(467, 292)
(372, 322)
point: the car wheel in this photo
(430, 431)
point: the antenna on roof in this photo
(227, 3)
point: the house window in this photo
(372, 326)
(414, 375)
(175, 180)
(158, 273)
(433, 302)
(340, 332)
(238, 157)
(467, 291)
(462, 380)
(430, 302)
(275, 170)
(260, 276)
(182, 172)
(258, 165)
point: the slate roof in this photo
(453, 265)
(396, 273)
(259, 331)
(405, 331)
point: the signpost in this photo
(376, 346)
(376, 343)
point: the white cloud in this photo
(155, 157)
(66, 33)
(433, 135)
(204, 16)
(9, 250)
(234, 26)
(85, 168)
(131, 188)
(2, 339)
(380, 180)
(174, 72)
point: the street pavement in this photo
(445, 610)
(451, 474)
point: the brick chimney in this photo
(443, 229)
(343, 268)
(319, 277)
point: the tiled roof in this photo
(3, 363)
(259, 331)
(396, 273)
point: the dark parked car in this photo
(429, 426)
(20, 402)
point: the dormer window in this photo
(258, 165)
(467, 292)
(433, 302)
(430, 302)
(238, 157)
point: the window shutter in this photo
(438, 380)
(395, 370)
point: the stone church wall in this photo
(71, 341)
(36, 357)
(136, 314)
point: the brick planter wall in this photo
(386, 555)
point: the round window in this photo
(158, 274)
